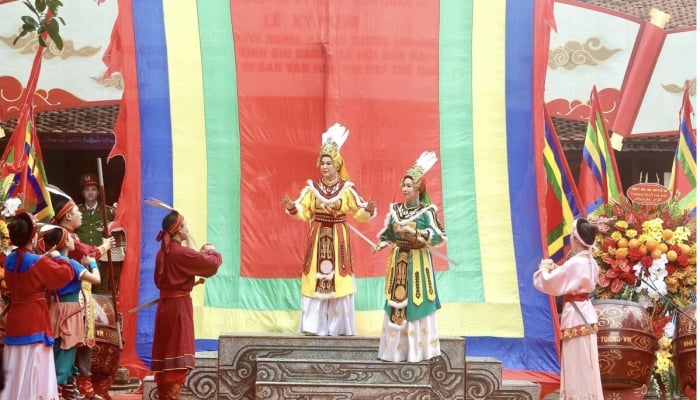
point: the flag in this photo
(598, 181)
(22, 171)
(562, 201)
(683, 173)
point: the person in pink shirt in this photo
(575, 280)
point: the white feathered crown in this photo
(422, 165)
(331, 142)
(333, 139)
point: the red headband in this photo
(62, 240)
(164, 236)
(62, 212)
(172, 229)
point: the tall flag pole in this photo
(563, 203)
(683, 173)
(22, 171)
(599, 180)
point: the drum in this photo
(105, 353)
(626, 344)
(684, 349)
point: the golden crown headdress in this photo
(331, 142)
(422, 165)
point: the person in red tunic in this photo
(177, 266)
(69, 217)
(28, 354)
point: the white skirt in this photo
(413, 341)
(30, 373)
(328, 317)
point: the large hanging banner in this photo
(224, 118)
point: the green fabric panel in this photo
(456, 150)
(285, 294)
(370, 293)
(223, 147)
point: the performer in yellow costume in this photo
(327, 282)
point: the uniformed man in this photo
(91, 231)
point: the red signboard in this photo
(650, 194)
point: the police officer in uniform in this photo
(91, 231)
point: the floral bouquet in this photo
(647, 254)
(8, 208)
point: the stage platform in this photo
(265, 366)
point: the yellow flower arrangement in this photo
(648, 254)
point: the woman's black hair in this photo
(53, 236)
(586, 231)
(21, 229)
(169, 220)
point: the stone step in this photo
(339, 391)
(374, 372)
(515, 386)
(238, 355)
(201, 382)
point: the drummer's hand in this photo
(54, 253)
(87, 260)
(206, 247)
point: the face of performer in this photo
(73, 219)
(182, 232)
(90, 194)
(328, 170)
(409, 191)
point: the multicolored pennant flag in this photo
(563, 203)
(683, 173)
(599, 180)
(22, 173)
(222, 115)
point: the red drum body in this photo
(626, 344)
(684, 350)
(105, 353)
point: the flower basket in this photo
(647, 256)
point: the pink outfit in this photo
(580, 372)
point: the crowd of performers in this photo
(50, 323)
(44, 356)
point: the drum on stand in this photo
(106, 352)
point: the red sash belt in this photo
(167, 294)
(29, 299)
(576, 297)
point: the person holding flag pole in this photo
(68, 216)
